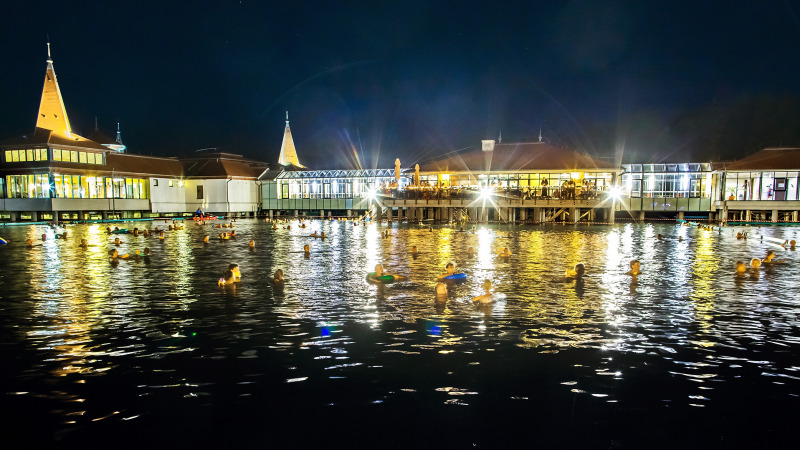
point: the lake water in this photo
(153, 351)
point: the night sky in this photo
(646, 80)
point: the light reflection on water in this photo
(163, 329)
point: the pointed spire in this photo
(288, 152)
(119, 136)
(540, 134)
(52, 114)
(96, 128)
(500, 138)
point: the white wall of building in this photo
(167, 195)
(222, 196)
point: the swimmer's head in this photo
(278, 275)
(114, 254)
(487, 284)
(116, 240)
(635, 264)
(306, 248)
(229, 277)
(580, 269)
(378, 269)
(84, 243)
(205, 239)
(450, 268)
(740, 267)
(44, 237)
(792, 243)
(471, 251)
(413, 249)
(29, 243)
(770, 256)
(146, 251)
(505, 251)
(441, 289)
(658, 236)
(755, 263)
(252, 244)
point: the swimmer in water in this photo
(307, 250)
(314, 234)
(117, 242)
(29, 244)
(205, 239)
(227, 279)
(658, 237)
(487, 296)
(741, 268)
(322, 235)
(441, 291)
(115, 254)
(505, 253)
(449, 270)
(278, 277)
(755, 263)
(576, 272)
(235, 269)
(251, 244)
(375, 276)
(470, 252)
(635, 266)
(770, 257)
(44, 237)
(146, 251)
(84, 243)
(792, 243)
(414, 251)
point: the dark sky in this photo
(394, 79)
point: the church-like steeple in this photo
(52, 114)
(288, 152)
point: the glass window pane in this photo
(82, 156)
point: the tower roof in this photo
(52, 114)
(288, 152)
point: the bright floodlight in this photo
(615, 192)
(372, 194)
(486, 193)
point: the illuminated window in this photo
(171, 183)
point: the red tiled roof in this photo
(126, 163)
(222, 165)
(534, 156)
(768, 159)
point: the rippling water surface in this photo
(151, 350)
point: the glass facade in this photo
(332, 184)
(760, 186)
(666, 180)
(74, 186)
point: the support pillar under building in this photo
(774, 215)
